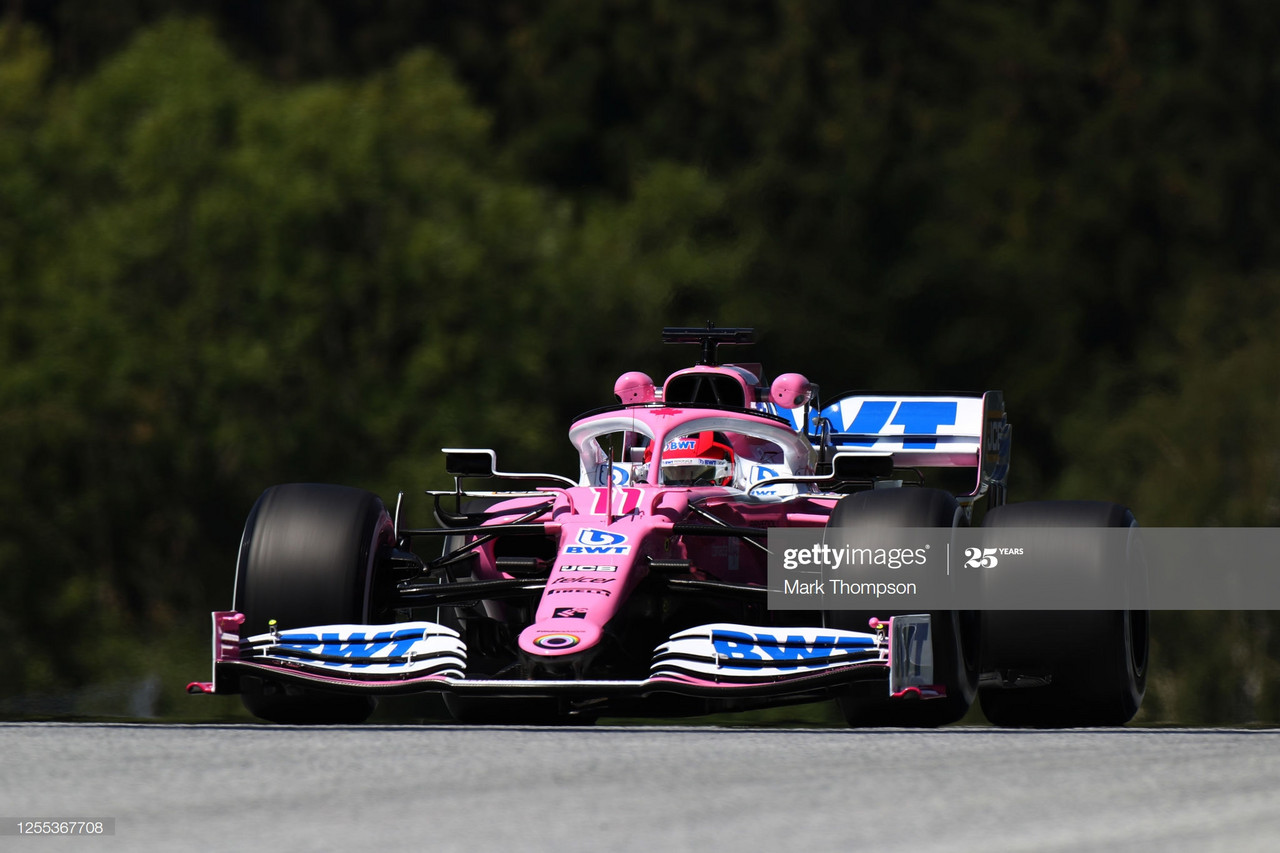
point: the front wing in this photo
(716, 660)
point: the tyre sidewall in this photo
(1097, 660)
(955, 633)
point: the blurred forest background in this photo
(245, 243)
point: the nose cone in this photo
(559, 636)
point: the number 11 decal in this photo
(625, 501)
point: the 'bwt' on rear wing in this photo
(926, 431)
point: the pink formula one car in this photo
(640, 587)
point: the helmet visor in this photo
(695, 472)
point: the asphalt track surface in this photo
(446, 788)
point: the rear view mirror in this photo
(862, 466)
(461, 462)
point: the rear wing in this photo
(925, 431)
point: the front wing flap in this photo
(364, 651)
(741, 654)
(706, 661)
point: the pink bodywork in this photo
(790, 391)
(620, 522)
(621, 517)
(635, 387)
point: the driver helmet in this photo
(701, 459)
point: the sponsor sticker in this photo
(557, 641)
(763, 472)
(797, 650)
(916, 417)
(603, 542)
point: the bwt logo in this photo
(385, 644)
(793, 652)
(591, 536)
(682, 444)
(592, 541)
(763, 473)
(617, 474)
(920, 418)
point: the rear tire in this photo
(308, 557)
(955, 632)
(1096, 659)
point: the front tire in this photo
(955, 632)
(308, 557)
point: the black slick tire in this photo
(1095, 660)
(955, 632)
(308, 557)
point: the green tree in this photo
(290, 251)
(229, 283)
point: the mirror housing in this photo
(466, 462)
(862, 466)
